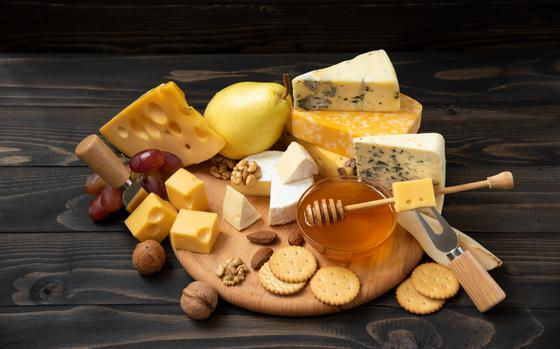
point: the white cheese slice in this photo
(393, 158)
(267, 162)
(295, 164)
(237, 210)
(367, 82)
(284, 199)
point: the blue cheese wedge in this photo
(394, 158)
(367, 82)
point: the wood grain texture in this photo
(196, 26)
(391, 262)
(449, 80)
(145, 326)
(95, 269)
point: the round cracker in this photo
(434, 281)
(414, 302)
(292, 264)
(335, 285)
(273, 285)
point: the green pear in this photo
(250, 116)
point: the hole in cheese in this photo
(152, 230)
(188, 146)
(152, 130)
(409, 201)
(200, 133)
(188, 201)
(203, 234)
(122, 132)
(156, 114)
(155, 215)
(138, 128)
(175, 128)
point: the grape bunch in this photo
(152, 165)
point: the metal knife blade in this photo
(131, 189)
(446, 240)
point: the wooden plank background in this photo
(274, 26)
(68, 282)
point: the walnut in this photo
(246, 172)
(232, 272)
(148, 257)
(198, 300)
(222, 167)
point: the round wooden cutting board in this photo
(391, 262)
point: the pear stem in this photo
(287, 86)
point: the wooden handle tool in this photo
(482, 289)
(101, 159)
(330, 211)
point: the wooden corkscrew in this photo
(331, 211)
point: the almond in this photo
(295, 239)
(263, 237)
(261, 257)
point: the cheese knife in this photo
(103, 161)
(482, 289)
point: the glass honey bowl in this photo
(361, 231)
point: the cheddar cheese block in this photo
(393, 158)
(162, 119)
(334, 130)
(367, 82)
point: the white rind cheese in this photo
(395, 158)
(295, 164)
(267, 162)
(284, 199)
(367, 82)
(237, 210)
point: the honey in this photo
(361, 231)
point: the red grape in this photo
(152, 182)
(94, 184)
(96, 210)
(111, 199)
(146, 160)
(171, 164)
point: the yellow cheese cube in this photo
(136, 200)
(186, 191)
(152, 219)
(195, 231)
(414, 194)
(334, 130)
(162, 119)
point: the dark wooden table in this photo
(67, 282)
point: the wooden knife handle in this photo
(101, 159)
(479, 285)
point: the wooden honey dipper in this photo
(330, 211)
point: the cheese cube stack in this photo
(394, 158)
(334, 130)
(367, 82)
(162, 119)
(237, 210)
(410, 195)
(267, 163)
(185, 191)
(295, 164)
(195, 231)
(152, 219)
